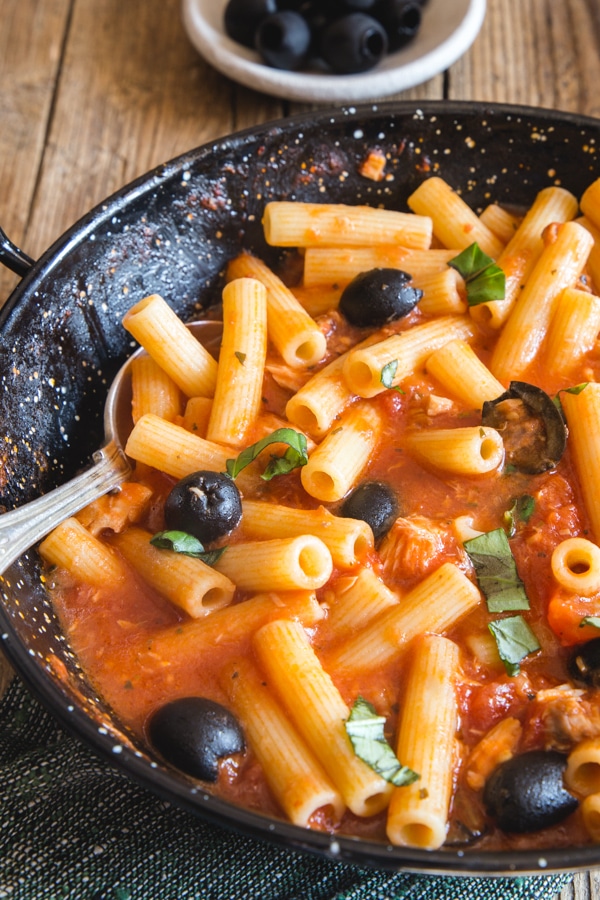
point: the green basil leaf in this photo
(590, 620)
(484, 279)
(365, 730)
(187, 545)
(241, 357)
(496, 571)
(295, 456)
(515, 640)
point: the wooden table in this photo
(93, 94)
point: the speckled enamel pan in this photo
(171, 232)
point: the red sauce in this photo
(114, 633)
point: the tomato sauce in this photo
(115, 632)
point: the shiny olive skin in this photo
(526, 793)
(583, 664)
(194, 733)
(242, 18)
(401, 20)
(353, 43)
(378, 296)
(376, 503)
(283, 40)
(205, 504)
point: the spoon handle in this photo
(23, 527)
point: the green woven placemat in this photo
(73, 827)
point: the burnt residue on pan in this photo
(172, 232)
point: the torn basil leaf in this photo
(365, 730)
(187, 545)
(496, 571)
(590, 620)
(515, 640)
(295, 456)
(484, 279)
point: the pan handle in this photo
(12, 257)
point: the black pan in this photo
(171, 232)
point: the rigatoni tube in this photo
(319, 713)
(426, 743)
(282, 564)
(293, 773)
(474, 450)
(336, 464)
(166, 338)
(187, 582)
(293, 224)
(238, 392)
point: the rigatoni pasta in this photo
(386, 661)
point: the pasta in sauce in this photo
(307, 611)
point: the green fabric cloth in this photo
(73, 827)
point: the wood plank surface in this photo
(93, 94)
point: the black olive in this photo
(194, 733)
(378, 296)
(375, 503)
(353, 43)
(283, 40)
(532, 427)
(584, 663)
(401, 20)
(205, 504)
(242, 18)
(527, 793)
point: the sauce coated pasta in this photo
(374, 548)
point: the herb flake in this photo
(365, 730)
(496, 571)
(484, 279)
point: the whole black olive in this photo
(194, 733)
(527, 793)
(378, 296)
(532, 427)
(283, 40)
(242, 18)
(401, 20)
(205, 504)
(583, 664)
(353, 43)
(375, 503)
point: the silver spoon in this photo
(23, 527)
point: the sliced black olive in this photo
(378, 296)
(584, 663)
(205, 504)
(375, 503)
(194, 733)
(527, 793)
(532, 427)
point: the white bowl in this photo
(448, 29)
